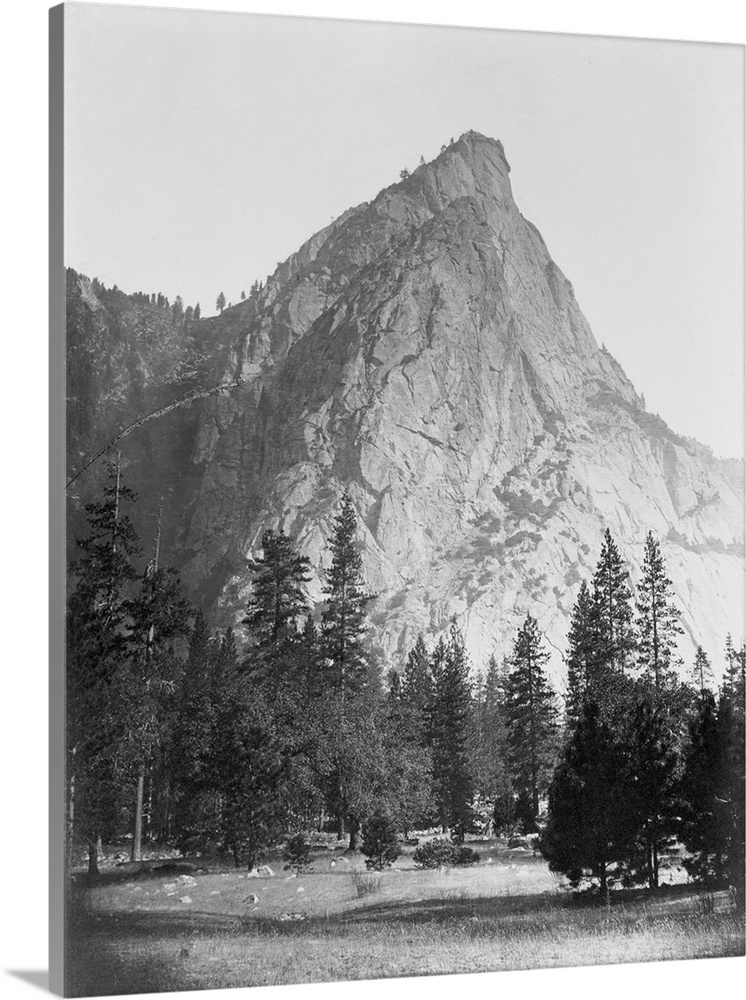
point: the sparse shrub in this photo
(366, 883)
(443, 853)
(465, 856)
(297, 853)
(380, 844)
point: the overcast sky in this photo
(203, 148)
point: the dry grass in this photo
(508, 914)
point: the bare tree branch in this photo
(190, 398)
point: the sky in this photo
(203, 148)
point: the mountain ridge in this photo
(425, 353)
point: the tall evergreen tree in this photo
(343, 623)
(191, 739)
(612, 601)
(705, 826)
(591, 826)
(452, 772)
(220, 304)
(731, 801)
(308, 659)
(249, 766)
(657, 617)
(417, 683)
(532, 715)
(702, 675)
(491, 753)
(417, 689)
(432, 710)
(277, 602)
(653, 788)
(582, 653)
(98, 638)
(160, 629)
(734, 682)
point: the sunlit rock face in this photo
(426, 354)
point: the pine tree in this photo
(590, 826)
(532, 715)
(735, 672)
(452, 772)
(657, 617)
(380, 844)
(702, 675)
(612, 601)
(582, 653)
(705, 824)
(98, 636)
(278, 601)
(197, 312)
(489, 751)
(417, 683)
(731, 800)
(249, 762)
(417, 688)
(309, 667)
(220, 304)
(192, 730)
(433, 707)
(343, 622)
(160, 625)
(653, 788)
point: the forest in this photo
(241, 745)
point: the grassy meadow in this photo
(148, 931)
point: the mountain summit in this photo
(425, 353)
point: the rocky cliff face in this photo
(425, 353)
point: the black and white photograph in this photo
(401, 465)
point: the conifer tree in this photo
(308, 658)
(705, 824)
(99, 644)
(417, 688)
(249, 761)
(657, 617)
(160, 625)
(582, 653)
(197, 311)
(452, 772)
(220, 304)
(735, 672)
(491, 754)
(590, 826)
(417, 682)
(191, 740)
(531, 714)
(433, 707)
(702, 675)
(612, 601)
(343, 622)
(653, 788)
(277, 602)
